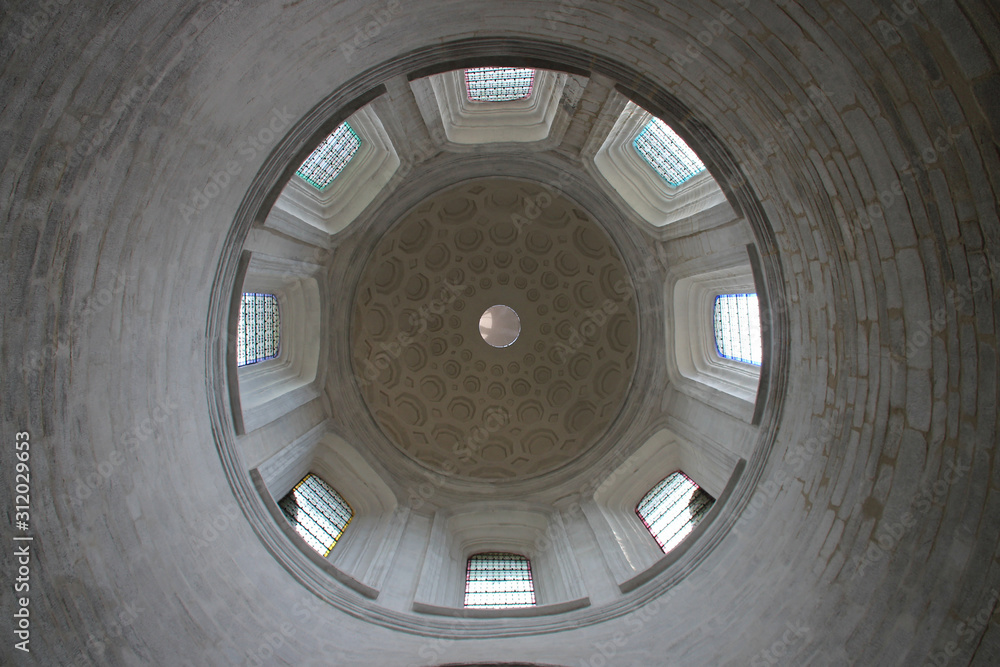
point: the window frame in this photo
(501, 556)
(526, 96)
(334, 495)
(353, 153)
(653, 127)
(240, 333)
(715, 329)
(671, 543)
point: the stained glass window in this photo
(496, 580)
(326, 162)
(499, 84)
(317, 512)
(737, 328)
(667, 153)
(672, 509)
(257, 334)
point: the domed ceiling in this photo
(437, 389)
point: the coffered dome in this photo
(436, 388)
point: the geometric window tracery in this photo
(497, 580)
(672, 509)
(329, 159)
(737, 328)
(317, 512)
(257, 337)
(499, 84)
(667, 153)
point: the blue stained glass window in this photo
(499, 84)
(329, 159)
(258, 331)
(317, 512)
(496, 580)
(672, 509)
(737, 328)
(667, 153)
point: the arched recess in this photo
(366, 549)
(619, 167)
(624, 541)
(538, 534)
(314, 216)
(699, 369)
(540, 119)
(267, 390)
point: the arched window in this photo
(499, 84)
(672, 509)
(329, 159)
(258, 331)
(667, 153)
(737, 328)
(317, 512)
(496, 580)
